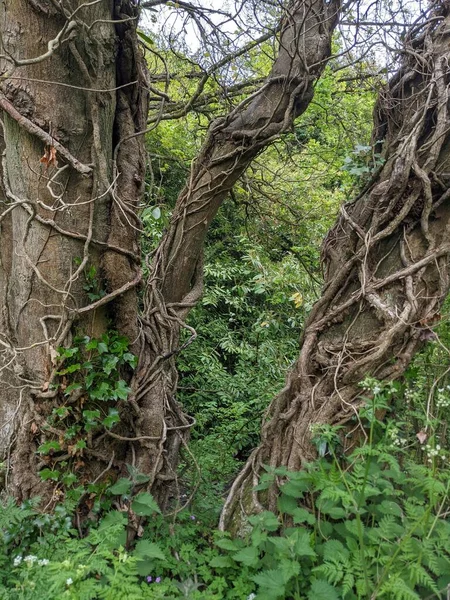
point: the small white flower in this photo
(30, 559)
(17, 561)
(69, 581)
(251, 596)
(43, 562)
(438, 447)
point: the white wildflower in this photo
(69, 581)
(43, 561)
(30, 559)
(17, 561)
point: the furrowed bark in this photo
(386, 272)
(175, 283)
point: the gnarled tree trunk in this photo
(73, 89)
(386, 269)
(72, 98)
(175, 283)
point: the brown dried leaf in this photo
(422, 436)
(49, 159)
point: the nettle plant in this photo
(90, 379)
(372, 524)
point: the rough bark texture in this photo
(81, 98)
(60, 98)
(175, 283)
(386, 270)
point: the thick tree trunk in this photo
(70, 91)
(386, 270)
(175, 283)
(81, 98)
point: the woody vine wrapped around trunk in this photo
(386, 263)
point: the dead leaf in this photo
(49, 159)
(34, 428)
(422, 436)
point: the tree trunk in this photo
(386, 270)
(175, 283)
(81, 99)
(72, 100)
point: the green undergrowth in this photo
(373, 524)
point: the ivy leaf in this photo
(131, 359)
(102, 347)
(102, 392)
(112, 418)
(121, 390)
(92, 344)
(71, 388)
(110, 364)
(70, 369)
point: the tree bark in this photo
(175, 282)
(386, 264)
(72, 100)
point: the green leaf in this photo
(110, 364)
(334, 550)
(147, 549)
(112, 418)
(69, 479)
(272, 583)
(71, 388)
(322, 590)
(221, 562)
(52, 446)
(295, 489)
(67, 352)
(145, 37)
(121, 390)
(145, 505)
(70, 369)
(156, 213)
(131, 359)
(287, 504)
(92, 344)
(266, 519)
(46, 474)
(227, 544)
(102, 392)
(102, 347)
(301, 515)
(121, 487)
(248, 556)
(302, 540)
